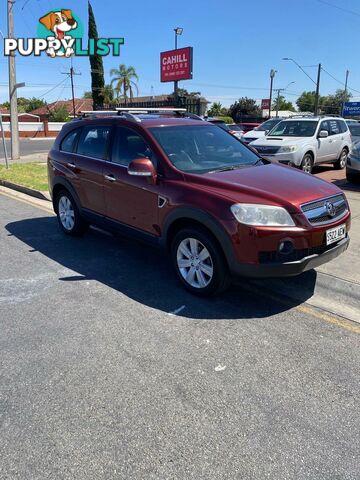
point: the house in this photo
(80, 105)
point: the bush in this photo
(59, 114)
(226, 119)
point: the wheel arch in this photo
(59, 184)
(185, 217)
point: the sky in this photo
(236, 44)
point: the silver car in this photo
(353, 164)
(306, 141)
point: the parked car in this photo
(353, 164)
(261, 130)
(235, 130)
(231, 128)
(351, 121)
(187, 186)
(307, 141)
(355, 131)
(247, 126)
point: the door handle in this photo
(71, 165)
(111, 178)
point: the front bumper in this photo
(290, 269)
(291, 158)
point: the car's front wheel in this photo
(199, 262)
(68, 215)
(307, 163)
(341, 161)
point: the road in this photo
(110, 370)
(29, 147)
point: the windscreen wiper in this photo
(227, 168)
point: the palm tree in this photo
(124, 81)
(108, 94)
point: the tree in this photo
(108, 94)
(26, 105)
(306, 102)
(96, 65)
(244, 106)
(332, 104)
(182, 92)
(215, 109)
(87, 94)
(124, 80)
(283, 104)
(59, 114)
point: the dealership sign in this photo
(265, 104)
(176, 64)
(351, 109)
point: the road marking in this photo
(27, 202)
(178, 310)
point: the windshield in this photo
(294, 128)
(203, 149)
(268, 125)
(355, 130)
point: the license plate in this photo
(335, 234)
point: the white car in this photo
(260, 131)
(307, 141)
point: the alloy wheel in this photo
(307, 165)
(194, 263)
(66, 213)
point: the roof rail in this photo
(151, 109)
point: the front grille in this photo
(267, 150)
(295, 255)
(326, 210)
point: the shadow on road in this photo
(145, 274)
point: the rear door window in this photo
(94, 142)
(69, 142)
(342, 126)
(334, 127)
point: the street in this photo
(30, 147)
(109, 369)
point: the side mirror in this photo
(142, 167)
(323, 134)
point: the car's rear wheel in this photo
(307, 163)
(341, 162)
(68, 215)
(199, 262)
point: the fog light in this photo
(285, 247)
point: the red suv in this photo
(193, 188)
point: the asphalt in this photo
(109, 369)
(32, 150)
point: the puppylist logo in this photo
(60, 34)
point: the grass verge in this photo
(32, 175)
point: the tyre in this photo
(307, 163)
(341, 161)
(199, 262)
(353, 177)
(68, 215)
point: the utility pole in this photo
(14, 122)
(272, 75)
(278, 100)
(345, 92)
(71, 74)
(316, 109)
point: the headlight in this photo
(355, 151)
(261, 215)
(288, 149)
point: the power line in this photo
(324, 2)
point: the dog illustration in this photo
(59, 23)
